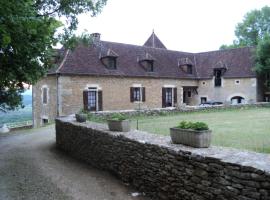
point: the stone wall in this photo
(231, 87)
(116, 92)
(40, 110)
(165, 171)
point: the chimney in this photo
(95, 37)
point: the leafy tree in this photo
(28, 32)
(253, 28)
(263, 58)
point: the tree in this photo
(253, 28)
(263, 58)
(28, 32)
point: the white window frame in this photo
(137, 85)
(172, 87)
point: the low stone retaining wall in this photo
(164, 111)
(166, 171)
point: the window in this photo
(189, 69)
(111, 63)
(44, 95)
(203, 82)
(92, 99)
(137, 94)
(169, 96)
(150, 65)
(217, 74)
(45, 121)
(237, 82)
(189, 94)
(203, 99)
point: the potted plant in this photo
(195, 134)
(118, 122)
(81, 116)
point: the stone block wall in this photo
(166, 171)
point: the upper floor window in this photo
(189, 69)
(44, 95)
(218, 74)
(150, 65)
(111, 63)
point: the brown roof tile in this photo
(86, 61)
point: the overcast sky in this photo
(183, 25)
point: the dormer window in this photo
(189, 69)
(217, 74)
(146, 61)
(111, 63)
(186, 65)
(150, 65)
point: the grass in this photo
(247, 128)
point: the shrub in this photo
(117, 116)
(199, 126)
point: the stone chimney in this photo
(95, 37)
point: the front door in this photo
(92, 100)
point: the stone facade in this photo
(166, 171)
(231, 87)
(45, 113)
(116, 93)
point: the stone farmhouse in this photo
(113, 76)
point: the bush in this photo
(199, 126)
(117, 116)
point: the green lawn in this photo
(240, 128)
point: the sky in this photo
(182, 25)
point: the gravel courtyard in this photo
(31, 168)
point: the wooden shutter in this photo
(163, 97)
(143, 94)
(100, 101)
(131, 94)
(175, 96)
(85, 100)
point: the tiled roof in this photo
(86, 61)
(154, 42)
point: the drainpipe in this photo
(57, 95)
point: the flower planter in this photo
(193, 138)
(121, 126)
(81, 117)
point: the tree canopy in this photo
(28, 32)
(254, 31)
(253, 28)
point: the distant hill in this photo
(27, 100)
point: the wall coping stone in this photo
(260, 162)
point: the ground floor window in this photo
(267, 98)
(237, 100)
(137, 94)
(203, 99)
(169, 97)
(92, 99)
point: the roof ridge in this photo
(222, 50)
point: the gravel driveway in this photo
(32, 168)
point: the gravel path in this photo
(32, 169)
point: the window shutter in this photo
(175, 96)
(163, 97)
(100, 101)
(131, 94)
(143, 94)
(85, 100)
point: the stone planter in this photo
(121, 126)
(193, 138)
(81, 117)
